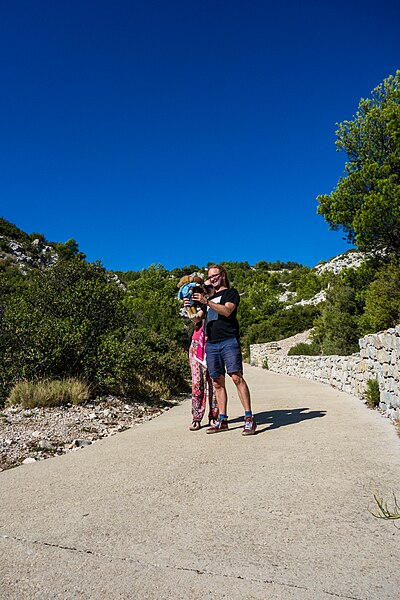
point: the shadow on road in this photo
(280, 418)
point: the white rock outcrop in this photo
(41, 255)
(343, 261)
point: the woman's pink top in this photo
(197, 334)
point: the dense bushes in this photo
(382, 300)
(138, 363)
(8, 229)
(72, 320)
(336, 330)
(54, 323)
(152, 302)
(359, 302)
(281, 324)
(304, 349)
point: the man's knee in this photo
(219, 382)
(237, 378)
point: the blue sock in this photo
(248, 413)
(222, 417)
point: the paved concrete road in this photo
(161, 512)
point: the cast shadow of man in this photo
(273, 419)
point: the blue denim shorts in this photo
(225, 355)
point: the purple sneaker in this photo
(250, 426)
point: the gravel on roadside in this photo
(28, 435)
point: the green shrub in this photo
(281, 325)
(152, 302)
(141, 364)
(71, 321)
(52, 324)
(337, 330)
(307, 284)
(47, 392)
(10, 230)
(372, 393)
(382, 300)
(303, 349)
(4, 245)
(69, 250)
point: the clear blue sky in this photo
(179, 132)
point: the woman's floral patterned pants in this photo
(202, 388)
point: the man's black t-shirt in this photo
(220, 328)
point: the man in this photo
(223, 351)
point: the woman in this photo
(201, 382)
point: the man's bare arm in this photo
(222, 309)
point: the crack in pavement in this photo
(172, 567)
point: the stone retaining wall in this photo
(259, 352)
(379, 358)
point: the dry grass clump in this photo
(49, 392)
(384, 512)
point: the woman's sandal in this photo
(195, 426)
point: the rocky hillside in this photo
(36, 254)
(347, 260)
(25, 250)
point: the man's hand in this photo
(199, 298)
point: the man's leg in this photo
(216, 369)
(243, 390)
(250, 424)
(232, 356)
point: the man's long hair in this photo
(224, 273)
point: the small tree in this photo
(382, 300)
(337, 328)
(366, 202)
(69, 250)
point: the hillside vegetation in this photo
(121, 333)
(74, 319)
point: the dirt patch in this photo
(39, 433)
